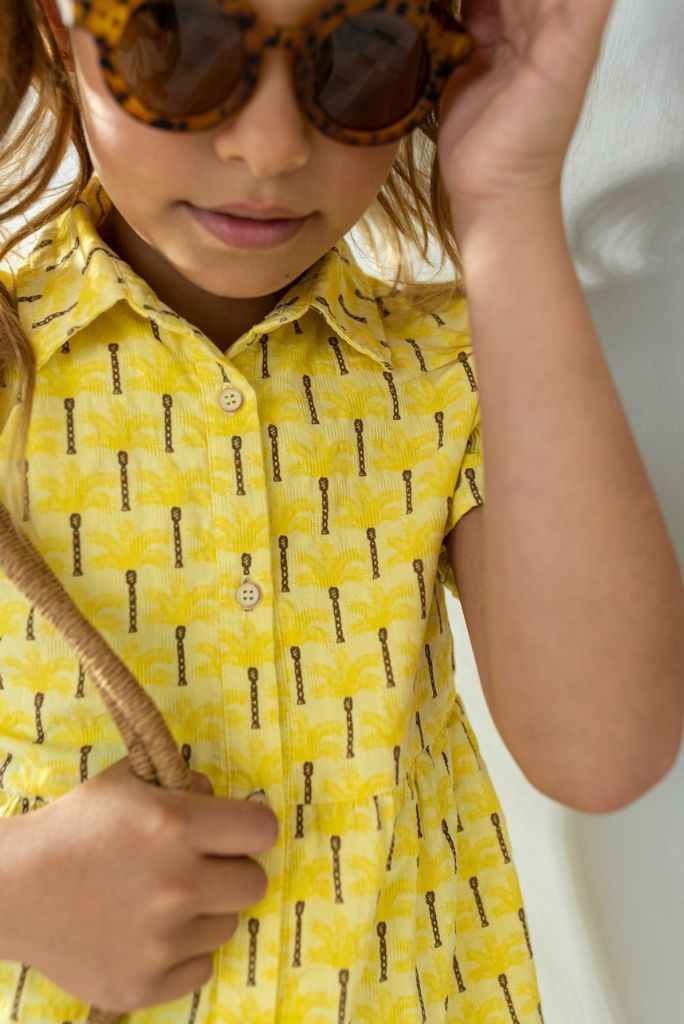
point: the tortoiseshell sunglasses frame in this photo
(447, 44)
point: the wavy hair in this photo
(411, 207)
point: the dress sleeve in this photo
(468, 493)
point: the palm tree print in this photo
(317, 464)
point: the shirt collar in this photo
(71, 276)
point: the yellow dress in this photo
(317, 467)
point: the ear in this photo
(60, 32)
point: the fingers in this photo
(202, 783)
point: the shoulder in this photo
(431, 317)
(424, 300)
(428, 333)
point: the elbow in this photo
(598, 798)
(598, 773)
(647, 772)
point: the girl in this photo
(256, 468)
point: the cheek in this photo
(121, 148)
(114, 138)
(362, 172)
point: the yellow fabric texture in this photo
(393, 895)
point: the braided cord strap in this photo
(154, 755)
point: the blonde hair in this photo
(411, 206)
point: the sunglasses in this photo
(366, 71)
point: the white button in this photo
(260, 796)
(248, 594)
(230, 399)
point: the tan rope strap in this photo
(154, 755)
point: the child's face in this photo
(266, 153)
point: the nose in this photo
(270, 132)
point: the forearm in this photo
(584, 595)
(13, 853)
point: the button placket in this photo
(249, 593)
(248, 696)
(230, 399)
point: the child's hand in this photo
(508, 116)
(130, 888)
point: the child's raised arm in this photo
(583, 593)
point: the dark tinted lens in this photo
(371, 70)
(181, 57)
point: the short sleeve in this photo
(468, 493)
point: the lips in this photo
(243, 233)
(251, 212)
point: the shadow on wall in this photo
(628, 244)
(634, 229)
